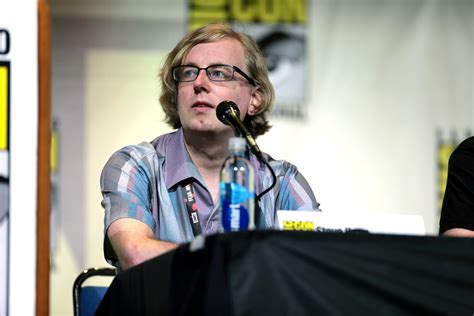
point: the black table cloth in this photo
(301, 273)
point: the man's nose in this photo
(202, 81)
(202, 75)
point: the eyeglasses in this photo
(188, 73)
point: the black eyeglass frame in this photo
(253, 82)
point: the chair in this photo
(86, 298)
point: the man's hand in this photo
(458, 232)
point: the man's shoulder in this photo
(157, 147)
(279, 166)
(136, 152)
(465, 150)
(162, 143)
(132, 157)
(467, 144)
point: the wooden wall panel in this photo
(44, 144)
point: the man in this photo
(457, 213)
(144, 187)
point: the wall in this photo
(384, 78)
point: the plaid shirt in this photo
(145, 182)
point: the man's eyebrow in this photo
(213, 64)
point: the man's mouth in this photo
(202, 105)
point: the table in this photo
(301, 273)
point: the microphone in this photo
(228, 113)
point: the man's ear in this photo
(252, 110)
(255, 102)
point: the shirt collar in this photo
(178, 164)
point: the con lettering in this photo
(4, 42)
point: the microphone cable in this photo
(258, 197)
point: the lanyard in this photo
(191, 206)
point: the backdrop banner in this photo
(18, 155)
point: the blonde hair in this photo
(256, 69)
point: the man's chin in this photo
(211, 130)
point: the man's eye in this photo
(189, 73)
(217, 74)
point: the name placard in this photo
(378, 223)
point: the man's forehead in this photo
(223, 51)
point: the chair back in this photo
(86, 298)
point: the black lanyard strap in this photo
(191, 206)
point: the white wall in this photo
(121, 109)
(384, 77)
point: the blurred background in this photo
(385, 92)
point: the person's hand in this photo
(458, 232)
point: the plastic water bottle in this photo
(237, 189)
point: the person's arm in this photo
(457, 212)
(458, 232)
(127, 185)
(134, 242)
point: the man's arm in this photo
(458, 232)
(134, 242)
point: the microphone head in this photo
(226, 111)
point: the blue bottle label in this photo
(235, 216)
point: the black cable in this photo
(257, 199)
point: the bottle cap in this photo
(237, 144)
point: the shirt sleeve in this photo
(294, 192)
(126, 184)
(458, 203)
